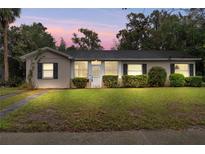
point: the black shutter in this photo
(191, 69)
(124, 69)
(172, 68)
(40, 70)
(55, 71)
(144, 68)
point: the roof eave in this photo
(143, 59)
(23, 58)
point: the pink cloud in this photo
(107, 37)
(65, 28)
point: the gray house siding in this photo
(64, 71)
(66, 64)
(149, 64)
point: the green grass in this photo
(11, 100)
(110, 109)
(5, 91)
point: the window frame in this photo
(78, 69)
(135, 70)
(117, 69)
(188, 69)
(47, 70)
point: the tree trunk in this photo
(6, 63)
(204, 68)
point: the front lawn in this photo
(5, 91)
(14, 99)
(110, 109)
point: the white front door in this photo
(96, 76)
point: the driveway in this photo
(157, 137)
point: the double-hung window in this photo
(81, 69)
(48, 70)
(134, 69)
(182, 69)
(111, 68)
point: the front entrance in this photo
(96, 75)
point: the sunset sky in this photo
(64, 22)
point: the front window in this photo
(47, 70)
(182, 69)
(81, 69)
(96, 62)
(111, 68)
(134, 69)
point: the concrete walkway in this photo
(10, 95)
(189, 136)
(19, 104)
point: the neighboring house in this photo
(55, 69)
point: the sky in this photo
(64, 22)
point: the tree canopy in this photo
(27, 38)
(162, 30)
(62, 46)
(89, 40)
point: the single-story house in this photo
(55, 69)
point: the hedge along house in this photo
(55, 69)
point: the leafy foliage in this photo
(7, 16)
(134, 81)
(62, 46)
(27, 38)
(157, 77)
(89, 40)
(177, 80)
(187, 81)
(110, 81)
(196, 81)
(12, 82)
(80, 82)
(162, 30)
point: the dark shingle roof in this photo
(127, 55)
(118, 55)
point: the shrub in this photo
(187, 81)
(203, 78)
(80, 82)
(196, 81)
(14, 82)
(177, 80)
(134, 80)
(26, 85)
(157, 77)
(110, 81)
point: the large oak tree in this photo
(89, 40)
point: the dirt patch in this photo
(136, 112)
(46, 120)
(198, 108)
(173, 106)
(193, 114)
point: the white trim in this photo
(44, 50)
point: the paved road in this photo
(189, 136)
